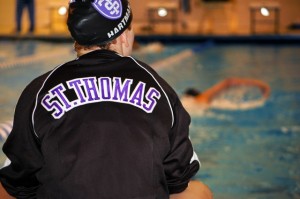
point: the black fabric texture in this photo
(121, 133)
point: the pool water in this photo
(253, 153)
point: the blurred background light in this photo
(162, 12)
(264, 11)
(62, 10)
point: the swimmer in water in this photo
(206, 98)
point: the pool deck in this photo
(226, 39)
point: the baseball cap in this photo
(96, 22)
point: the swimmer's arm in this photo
(265, 88)
(208, 95)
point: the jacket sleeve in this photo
(182, 163)
(22, 149)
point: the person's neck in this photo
(84, 51)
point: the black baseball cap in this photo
(96, 22)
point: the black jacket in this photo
(101, 126)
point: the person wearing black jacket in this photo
(102, 126)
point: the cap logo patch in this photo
(111, 9)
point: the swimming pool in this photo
(245, 153)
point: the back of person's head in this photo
(192, 92)
(98, 22)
